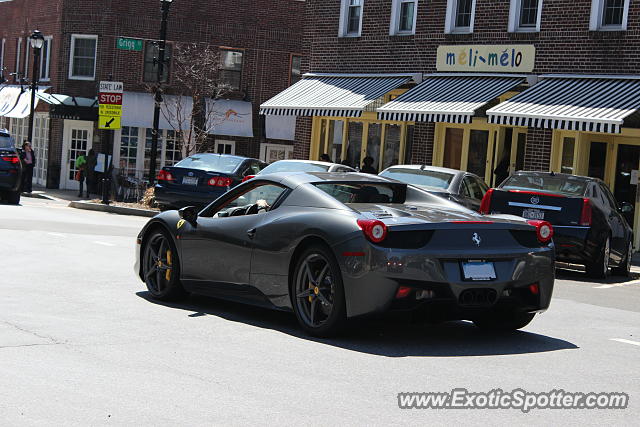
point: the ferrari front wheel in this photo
(318, 292)
(161, 267)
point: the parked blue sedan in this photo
(200, 179)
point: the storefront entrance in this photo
(77, 140)
(612, 158)
(492, 152)
(349, 141)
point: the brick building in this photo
(259, 43)
(478, 85)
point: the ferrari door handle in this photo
(251, 233)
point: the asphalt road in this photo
(81, 344)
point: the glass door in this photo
(453, 141)
(478, 147)
(77, 141)
(626, 178)
(597, 160)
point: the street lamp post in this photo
(166, 4)
(37, 41)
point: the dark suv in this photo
(10, 169)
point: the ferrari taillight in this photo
(544, 230)
(164, 175)
(373, 229)
(485, 205)
(220, 182)
(586, 214)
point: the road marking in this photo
(626, 341)
(56, 234)
(103, 243)
(617, 285)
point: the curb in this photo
(119, 210)
(35, 195)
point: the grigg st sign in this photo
(486, 58)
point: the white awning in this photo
(574, 103)
(452, 99)
(332, 95)
(15, 102)
(175, 111)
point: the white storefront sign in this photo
(231, 118)
(486, 58)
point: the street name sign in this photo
(129, 44)
(110, 105)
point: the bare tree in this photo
(195, 70)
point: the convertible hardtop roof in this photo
(293, 179)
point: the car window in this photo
(211, 162)
(255, 168)
(567, 185)
(610, 200)
(357, 192)
(472, 188)
(264, 196)
(6, 141)
(483, 187)
(294, 167)
(343, 169)
(419, 177)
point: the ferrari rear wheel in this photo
(318, 292)
(509, 320)
(161, 267)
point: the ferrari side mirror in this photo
(189, 214)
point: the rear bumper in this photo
(372, 281)
(181, 198)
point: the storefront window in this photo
(522, 141)
(373, 143)
(453, 148)
(391, 146)
(354, 144)
(478, 145)
(335, 140)
(568, 149)
(128, 150)
(597, 159)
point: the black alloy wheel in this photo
(318, 293)
(161, 268)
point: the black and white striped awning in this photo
(447, 98)
(332, 95)
(593, 104)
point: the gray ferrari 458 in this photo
(332, 246)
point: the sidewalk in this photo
(77, 202)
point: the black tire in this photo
(624, 269)
(318, 296)
(506, 320)
(599, 267)
(161, 267)
(13, 197)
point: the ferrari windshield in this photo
(211, 162)
(361, 192)
(566, 185)
(422, 178)
(294, 167)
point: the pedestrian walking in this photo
(91, 173)
(81, 167)
(28, 162)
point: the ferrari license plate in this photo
(532, 214)
(477, 271)
(190, 180)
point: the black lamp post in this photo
(37, 41)
(166, 4)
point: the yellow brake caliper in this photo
(167, 274)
